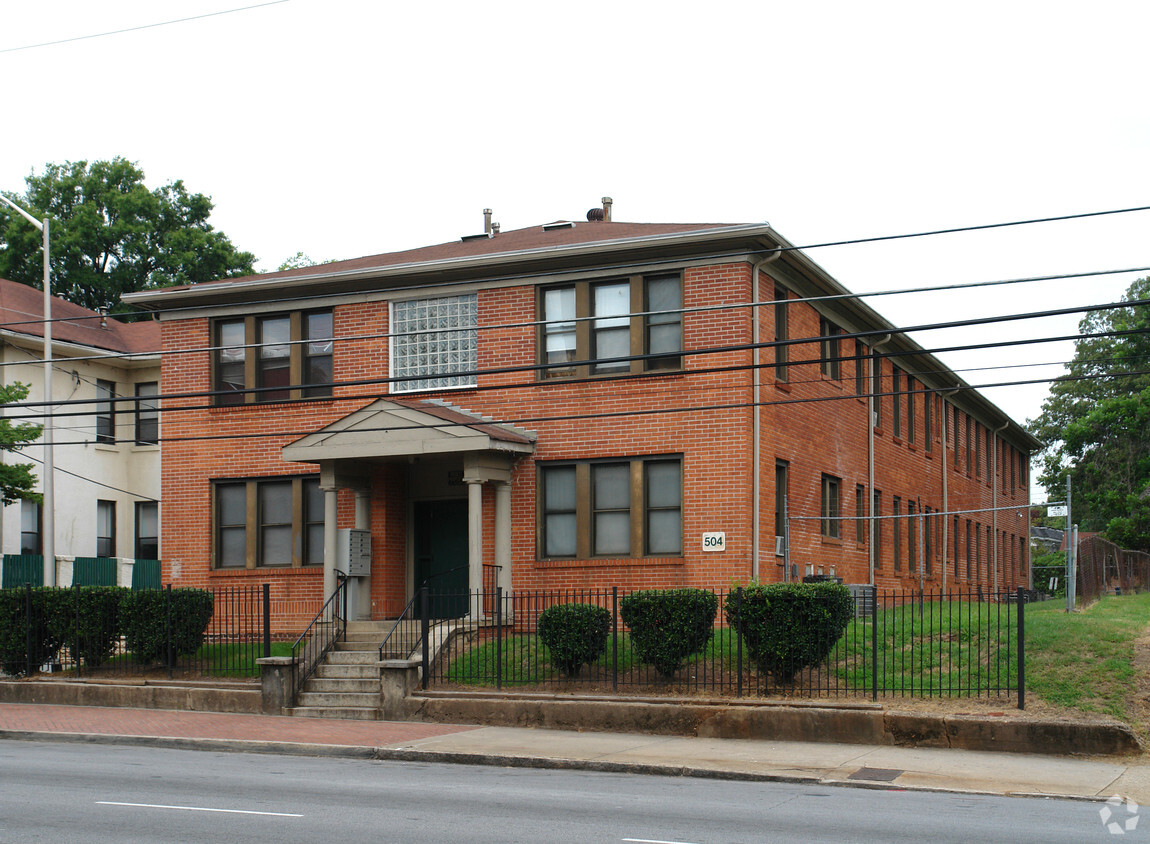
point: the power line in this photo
(138, 28)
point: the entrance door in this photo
(441, 559)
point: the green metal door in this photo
(441, 555)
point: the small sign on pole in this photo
(1056, 510)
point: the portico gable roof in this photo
(391, 428)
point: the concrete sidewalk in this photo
(847, 764)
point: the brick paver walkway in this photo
(163, 723)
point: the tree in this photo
(16, 479)
(111, 235)
(1095, 423)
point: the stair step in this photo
(356, 700)
(347, 657)
(348, 713)
(353, 671)
(340, 685)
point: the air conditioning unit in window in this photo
(780, 546)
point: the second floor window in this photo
(630, 325)
(147, 414)
(830, 362)
(105, 412)
(434, 344)
(273, 358)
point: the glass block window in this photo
(433, 343)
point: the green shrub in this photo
(787, 627)
(94, 626)
(575, 634)
(144, 620)
(49, 628)
(668, 626)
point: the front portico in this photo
(416, 434)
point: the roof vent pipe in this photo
(607, 209)
(494, 229)
(487, 221)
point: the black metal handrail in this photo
(407, 611)
(311, 647)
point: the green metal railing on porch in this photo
(19, 569)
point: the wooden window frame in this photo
(105, 411)
(253, 526)
(105, 542)
(830, 350)
(830, 506)
(253, 392)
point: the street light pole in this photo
(48, 509)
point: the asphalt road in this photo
(94, 793)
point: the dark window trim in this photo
(105, 411)
(252, 524)
(831, 506)
(830, 359)
(782, 333)
(253, 391)
(143, 542)
(105, 543)
(147, 414)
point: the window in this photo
(860, 514)
(876, 508)
(147, 530)
(434, 343)
(257, 522)
(630, 325)
(105, 412)
(830, 364)
(910, 394)
(147, 414)
(927, 419)
(956, 446)
(611, 508)
(781, 467)
(1010, 452)
(862, 359)
(968, 531)
(968, 444)
(896, 523)
(30, 527)
(978, 450)
(286, 350)
(896, 401)
(876, 389)
(911, 537)
(781, 334)
(927, 533)
(956, 552)
(830, 507)
(105, 528)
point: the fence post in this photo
(498, 637)
(267, 620)
(76, 643)
(1021, 648)
(874, 642)
(29, 639)
(739, 641)
(425, 632)
(168, 626)
(614, 638)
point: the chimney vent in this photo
(595, 215)
(607, 201)
(487, 221)
(494, 229)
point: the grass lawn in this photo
(1085, 660)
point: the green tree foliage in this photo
(111, 235)
(575, 634)
(1095, 422)
(668, 626)
(16, 479)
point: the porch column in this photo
(360, 597)
(503, 534)
(330, 540)
(474, 533)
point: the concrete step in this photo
(349, 713)
(353, 671)
(340, 700)
(348, 656)
(341, 685)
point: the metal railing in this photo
(896, 644)
(97, 631)
(327, 628)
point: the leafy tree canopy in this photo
(16, 479)
(1096, 424)
(111, 235)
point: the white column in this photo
(474, 533)
(360, 598)
(503, 534)
(330, 541)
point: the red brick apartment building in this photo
(577, 404)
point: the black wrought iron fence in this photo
(114, 631)
(887, 643)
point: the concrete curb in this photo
(151, 694)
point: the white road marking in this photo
(654, 841)
(197, 809)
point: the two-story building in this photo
(575, 404)
(106, 427)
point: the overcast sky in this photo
(343, 128)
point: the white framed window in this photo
(434, 343)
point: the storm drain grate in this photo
(876, 774)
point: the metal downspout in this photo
(874, 400)
(756, 420)
(994, 499)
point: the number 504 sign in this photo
(715, 541)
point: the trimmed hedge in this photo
(787, 627)
(89, 620)
(575, 634)
(667, 626)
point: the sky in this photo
(342, 128)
